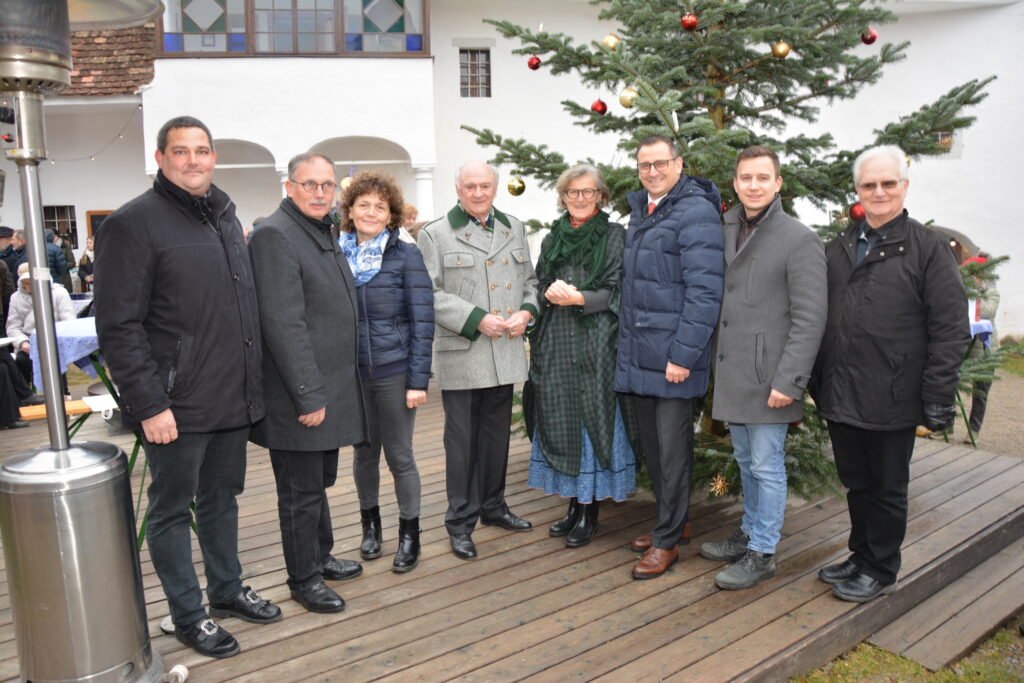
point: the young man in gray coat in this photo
(485, 295)
(773, 317)
(310, 373)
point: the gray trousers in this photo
(391, 425)
(666, 433)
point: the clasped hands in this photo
(561, 293)
(495, 326)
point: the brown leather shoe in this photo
(655, 562)
(640, 544)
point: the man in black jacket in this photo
(896, 334)
(178, 322)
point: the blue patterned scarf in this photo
(364, 259)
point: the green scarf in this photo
(584, 246)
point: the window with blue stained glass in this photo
(295, 26)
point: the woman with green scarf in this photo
(577, 423)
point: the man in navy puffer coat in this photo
(671, 294)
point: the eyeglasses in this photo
(887, 185)
(586, 194)
(311, 185)
(659, 165)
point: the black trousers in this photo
(13, 389)
(979, 397)
(666, 434)
(875, 468)
(210, 469)
(307, 535)
(476, 436)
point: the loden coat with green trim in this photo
(474, 272)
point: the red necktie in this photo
(651, 207)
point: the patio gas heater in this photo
(65, 511)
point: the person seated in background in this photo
(21, 319)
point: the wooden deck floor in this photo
(531, 608)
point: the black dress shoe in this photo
(341, 570)
(209, 639)
(247, 606)
(17, 424)
(861, 588)
(507, 520)
(837, 573)
(319, 598)
(33, 400)
(463, 547)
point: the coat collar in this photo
(318, 230)
(732, 228)
(470, 233)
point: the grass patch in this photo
(1000, 658)
(1015, 364)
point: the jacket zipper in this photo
(369, 349)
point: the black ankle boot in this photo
(586, 526)
(369, 549)
(408, 555)
(565, 524)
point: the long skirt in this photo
(593, 482)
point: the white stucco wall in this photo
(523, 104)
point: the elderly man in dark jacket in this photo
(178, 323)
(773, 316)
(896, 334)
(311, 380)
(671, 293)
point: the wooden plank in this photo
(822, 628)
(978, 618)
(788, 591)
(804, 552)
(38, 412)
(923, 619)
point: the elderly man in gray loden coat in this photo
(310, 373)
(772, 320)
(485, 292)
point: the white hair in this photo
(458, 172)
(888, 151)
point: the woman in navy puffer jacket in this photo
(396, 335)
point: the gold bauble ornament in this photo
(345, 182)
(611, 41)
(780, 50)
(516, 186)
(628, 96)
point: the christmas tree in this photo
(719, 76)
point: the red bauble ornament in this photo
(869, 36)
(725, 207)
(689, 22)
(599, 106)
(857, 212)
(533, 62)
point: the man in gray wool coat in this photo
(485, 294)
(773, 317)
(310, 374)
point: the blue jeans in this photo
(759, 450)
(209, 469)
